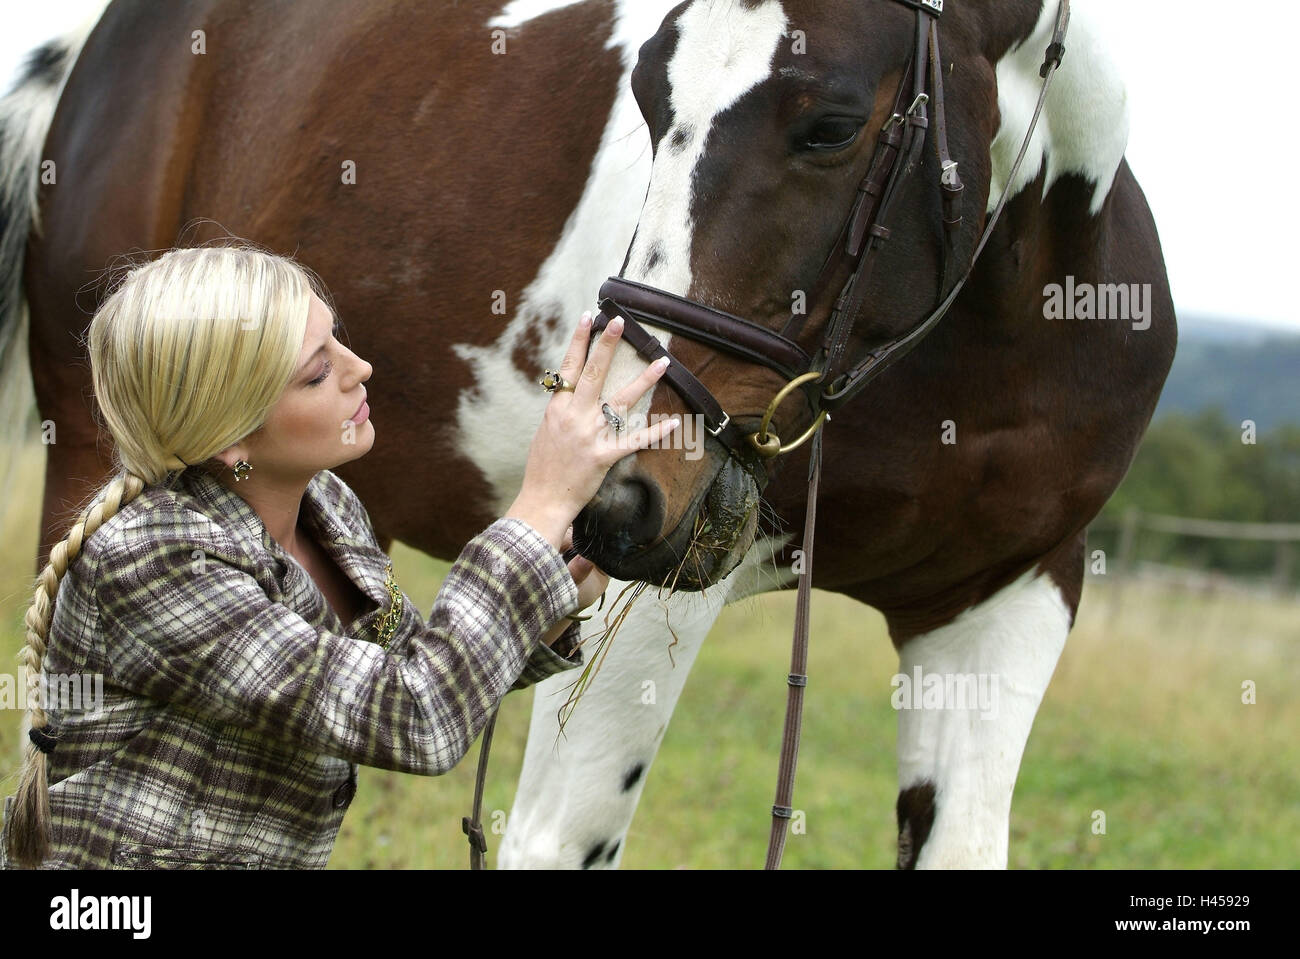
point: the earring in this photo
(242, 469)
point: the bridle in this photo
(898, 153)
(819, 376)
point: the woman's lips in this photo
(361, 415)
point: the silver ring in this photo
(613, 419)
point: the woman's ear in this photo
(231, 455)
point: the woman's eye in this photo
(324, 373)
(832, 133)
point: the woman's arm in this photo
(185, 623)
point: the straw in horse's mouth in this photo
(705, 536)
(606, 636)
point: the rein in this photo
(899, 151)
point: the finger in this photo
(626, 398)
(643, 438)
(592, 380)
(577, 349)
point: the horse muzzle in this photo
(622, 529)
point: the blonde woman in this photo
(230, 591)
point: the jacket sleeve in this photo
(185, 624)
(545, 662)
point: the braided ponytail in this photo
(29, 830)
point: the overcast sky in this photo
(1212, 142)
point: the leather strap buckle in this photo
(475, 832)
(1055, 54)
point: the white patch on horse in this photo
(491, 422)
(1085, 121)
(723, 51)
(1016, 637)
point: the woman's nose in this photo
(362, 368)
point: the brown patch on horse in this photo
(527, 354)
(445, 210)
(915, 819)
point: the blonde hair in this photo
(189, 353)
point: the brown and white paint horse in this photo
(506, 151)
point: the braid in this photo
(29, 831)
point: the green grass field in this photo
(1143, 721)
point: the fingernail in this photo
(661, 363)
(673, 423)
(585, 321)
(615, 325)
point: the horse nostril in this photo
(627, 500)
(626, 514)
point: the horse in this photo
(476, 159)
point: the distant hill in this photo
(1249, 371)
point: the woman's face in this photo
(321, 419)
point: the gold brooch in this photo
(387, 626)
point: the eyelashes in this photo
(328, 365)
(324, 374)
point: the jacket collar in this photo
(360, 560)
(222, 501)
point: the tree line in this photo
(1202, 465)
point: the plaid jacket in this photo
(236, 705)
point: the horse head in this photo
(772, 125)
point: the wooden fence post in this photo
(1124, 565)
(1282, 569)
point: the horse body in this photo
(972, 549)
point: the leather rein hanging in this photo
(898, 153)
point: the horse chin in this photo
(715, 532)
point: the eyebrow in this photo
(315, 353)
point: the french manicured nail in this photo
(585, 321)
(661, 363)
(615, 325)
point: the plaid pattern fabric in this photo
(236, 704)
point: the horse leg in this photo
(577, 794)
(957, 767)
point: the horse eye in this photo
(832, 133)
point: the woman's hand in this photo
(590, 578)
(574, 446)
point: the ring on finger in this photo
(553, 382)
(615, 421)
